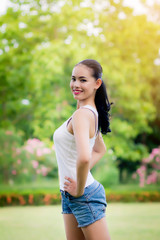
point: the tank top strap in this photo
(95, 114)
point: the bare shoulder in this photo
(82, 114)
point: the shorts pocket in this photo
(91, 192)
(97, 202)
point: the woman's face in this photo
(83, 85)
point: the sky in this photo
(135, 4)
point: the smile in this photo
(76, 92)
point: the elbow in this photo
(84, 160)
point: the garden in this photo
(40, 42)
(29, 175)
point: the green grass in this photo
(133, 188)
(133, 221)
(52, 185)
(43, 186)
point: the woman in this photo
(79, 146)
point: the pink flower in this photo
(155, 151)
(29, 149)
(147, 160)
(14, 172)
(38, 171)
(33, 144)
(151, 156)
(39, 153)
(19, 161)
(9, 133)
(152, 163)
(44, 171)
(46, 151)
(141, 170)
(35, 163)
(152, 178)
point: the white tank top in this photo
(66, 152)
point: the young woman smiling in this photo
(79, 146)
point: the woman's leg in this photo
(71, 228)
(97, 230)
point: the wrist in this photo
(79, 193)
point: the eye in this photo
(73, 79)
(83, 80)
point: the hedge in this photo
(35, 199)
(134, 197)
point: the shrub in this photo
(108, 176)
(149, 171)
(29, 199)
(9, 154)
(52, 198)
(42, 159)
(25, 163)
(105, 171)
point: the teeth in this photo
(77, 91)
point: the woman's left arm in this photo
(98, 151)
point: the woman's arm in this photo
(81, 127)
(98, 151)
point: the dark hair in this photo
(101, 99)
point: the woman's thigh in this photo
(97, 230)
(71, 228)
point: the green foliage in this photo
(41, 41)
(106, 171)
(149, 171)
(108, 176)
(21, 163)
(36, 199)
(9, 149)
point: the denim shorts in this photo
(87, 208)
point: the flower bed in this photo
(29, 199)
(55, 198)
(134, 197)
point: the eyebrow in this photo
(80, 76)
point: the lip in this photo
(76, 92)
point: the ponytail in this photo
(103, 107)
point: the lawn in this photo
(133, 221)
(50, 185)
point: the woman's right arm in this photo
(98, 151)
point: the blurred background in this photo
(40, 42)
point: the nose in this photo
(76, 84)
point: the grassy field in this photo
(133, 221)
(53, 186)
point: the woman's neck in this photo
(81, 104)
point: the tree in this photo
(41, 41)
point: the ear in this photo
(98, 83)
